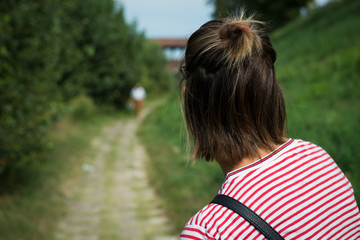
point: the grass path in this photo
(112, 199)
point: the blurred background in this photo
(67, 67)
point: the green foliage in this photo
(82, 107)
(52, 51)
(109, 56)
(318, 67)
(112, 47)
(29, 101)
(154, 79)
(277, 12)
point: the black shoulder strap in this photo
(249, 215)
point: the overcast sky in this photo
(169, 18)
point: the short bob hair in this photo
(233, 103)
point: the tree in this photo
(54, 50)
(277, 13)
(154, 78)
(114, 50)
(29, 100)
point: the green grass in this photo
(318, 66)
(32, 199)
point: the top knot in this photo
(239, 41)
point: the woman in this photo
(235, 112)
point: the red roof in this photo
(171, 42)
(173, 65)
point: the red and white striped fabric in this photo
(298, 189)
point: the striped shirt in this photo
(298, 189)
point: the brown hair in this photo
(233, 102)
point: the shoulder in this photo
(214, 222)
(200, 225)
(195, 232)
(304, 148)
(305, 144)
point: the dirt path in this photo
(112, 198)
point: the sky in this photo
(170, 18)
(167, 18)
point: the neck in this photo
(226, 168)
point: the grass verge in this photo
(32, 200)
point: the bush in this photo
(82, 107)
(29, 100)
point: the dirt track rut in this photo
(112, 199)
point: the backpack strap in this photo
(249, 215)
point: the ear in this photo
(183, 89)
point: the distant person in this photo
(235, 113)
(138, 95)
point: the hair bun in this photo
(231, 32)
(239, 41)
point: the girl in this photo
(235, 112)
